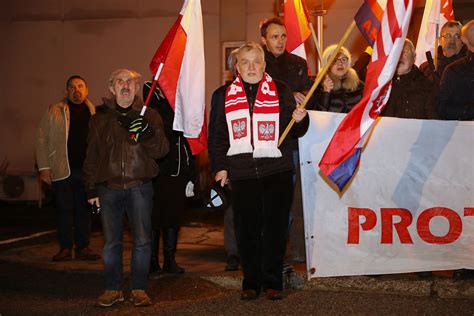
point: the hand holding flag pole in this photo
(318, 80)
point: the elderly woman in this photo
(341, 88)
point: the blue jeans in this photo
(72, 211)
(137, 203)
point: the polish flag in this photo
(297, 26)
(437, 12)
(179, 67)
(342, 156)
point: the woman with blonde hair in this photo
(341, 88)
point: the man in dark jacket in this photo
(412, 94)
(456, 95)
(251, 114)
(119, 166)
(450, 50)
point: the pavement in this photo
(201, 253)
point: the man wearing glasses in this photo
(450, 50)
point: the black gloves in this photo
(139, 128)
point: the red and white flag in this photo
(342, 156)
(437, 12)
(297, 26)
(180, 70)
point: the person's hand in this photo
(222, 176)
(299, 114)
(139, 128)
(94, 201)
(299, 97)
(46, 176)
(328, 84)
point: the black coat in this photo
(244, 166)
(412, 96)
(443, 62)
(290, 69)
(340, 101)
(456, 95)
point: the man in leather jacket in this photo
(120, 163)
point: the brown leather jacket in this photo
(113, 158)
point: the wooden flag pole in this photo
(316, 42)
(319, 78)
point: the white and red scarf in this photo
(265, 120)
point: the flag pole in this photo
(316, 42)
(153, 84)
(435, 50)
(319, 78)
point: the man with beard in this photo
(450, 50)
(60, 153)
(123, 146)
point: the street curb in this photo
(442, 288)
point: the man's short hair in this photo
(135, 75)
(451, 24)
(267, 22)
(249, 46)
(75, 77)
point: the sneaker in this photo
(109, 298)
(232, 264)
(63, 255)
(86, 254)
(140, 298)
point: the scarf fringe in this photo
(239, 149)
(267, 153)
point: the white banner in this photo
(409, 207)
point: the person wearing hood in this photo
(120, 163)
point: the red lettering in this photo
(423, 225)
(469, 211)
(353, 222)
(401, 227)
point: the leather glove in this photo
(139, 128)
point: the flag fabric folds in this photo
(437, 12)
(182, 77)
(342, 155)
(368, 20)
(297, 26)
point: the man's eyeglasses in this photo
(343, 60)
(451, 36)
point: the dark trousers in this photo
(261, 208)
(72, 211)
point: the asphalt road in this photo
(31, 291)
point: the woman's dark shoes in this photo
(248, 295)
(273, 295)
(172, 267)
(232, 263)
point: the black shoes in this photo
(248, 295)
(64, 254)
(86, 254)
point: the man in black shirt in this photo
(60, 153)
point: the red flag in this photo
(341, 158)
(182, 77)
(297, 26)
(436, 13)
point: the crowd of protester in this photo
(134, 165)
